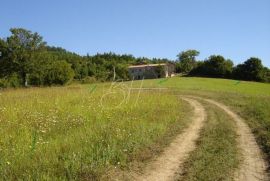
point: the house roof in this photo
(146, 65)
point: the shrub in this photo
(3, 83)
(59, 73)
(50, 72)
(14, 80)
(88, 80)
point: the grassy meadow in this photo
(81, 132)
(251, 100)
(211, 85)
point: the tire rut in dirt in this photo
(167, 165)
(253, 166)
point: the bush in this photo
(59, 73)
(11, 81)
(48, 71)
(88, 80)
(3, 83)
(14, 81)
(37, 76)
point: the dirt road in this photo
(167, 165)
(253, 166)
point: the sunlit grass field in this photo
(251, 100)
(209, 84)
(81, 132)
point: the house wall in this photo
(150, 72)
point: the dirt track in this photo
(253, 166)
(166, 166)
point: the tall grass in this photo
(77, 133)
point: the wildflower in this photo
(8, 162)
(43, 131)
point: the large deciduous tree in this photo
(187, 60)
(20, 47)
(25, 59)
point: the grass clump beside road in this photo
(76, 133)
(216, 156)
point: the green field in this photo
(251, 100)
(77, 132)
(86, 131)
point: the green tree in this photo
(78, 63)
(60, 72)
(187, 60)
(21, 46)
(43, 62)
(252, 69)
(266, 74)
(5, 65)
(214, 66)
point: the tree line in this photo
(216, 66)
(27, 60)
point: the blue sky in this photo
(236, 29)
